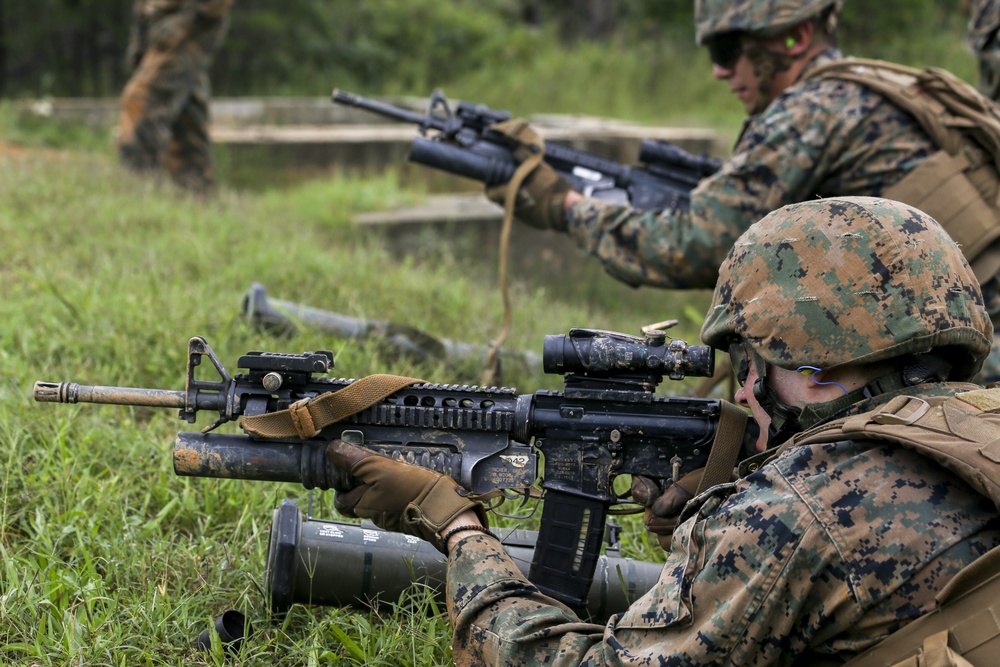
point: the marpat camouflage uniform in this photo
(827, 548)
(165, 113)
(820, 138)
(982, 37)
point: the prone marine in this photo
(854, 325)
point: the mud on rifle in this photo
(606, 422)
(463, 144)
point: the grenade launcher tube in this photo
(235, 457)
(483, 162)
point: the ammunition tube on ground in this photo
(280, 317)
(334, 563)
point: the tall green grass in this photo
(106, 557)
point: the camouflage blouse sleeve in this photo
(820, 138)
(820, 551)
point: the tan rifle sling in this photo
(959, 186)
(962, 434)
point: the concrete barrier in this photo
(313, 132)
(226, 111)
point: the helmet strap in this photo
(787, 420)
(784, 418)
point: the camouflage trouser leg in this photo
(188, 159)
(164, 118)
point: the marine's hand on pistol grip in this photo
(664, 505)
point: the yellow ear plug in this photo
(813, 371)
(789, 43)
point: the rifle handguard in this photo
(307, 417)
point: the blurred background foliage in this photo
(305, 47)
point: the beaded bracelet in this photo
(459, 529)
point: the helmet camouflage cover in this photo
(715, 17)
(849, 280)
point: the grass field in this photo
(108, 558)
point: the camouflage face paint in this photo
(766, 65)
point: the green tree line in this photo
(298, 47)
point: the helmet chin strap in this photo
(784, 418)
(787, 420)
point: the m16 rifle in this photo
(463, 144)
(607, 422)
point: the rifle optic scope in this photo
(606, 354)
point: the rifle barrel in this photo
(381, 108)
(70, 392)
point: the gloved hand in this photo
(398, 496)
(540, 199)
(663, 506)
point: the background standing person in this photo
(838, 314)
(165, 104)
(811, 131)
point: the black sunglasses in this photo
(724, 50)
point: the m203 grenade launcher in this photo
(461, 141)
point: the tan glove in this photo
(663, 506)
(398, 496)
(540, 199)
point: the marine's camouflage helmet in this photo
(849, 280)
(715, 17)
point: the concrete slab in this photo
(226, 111)
(467, 208)
(467, 226)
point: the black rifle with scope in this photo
(463, 144)
(605, 423)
